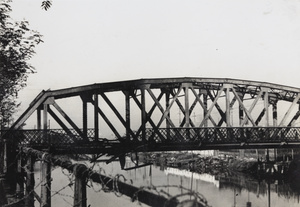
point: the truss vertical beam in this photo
(96, 118)
(143, 114)
(45, 122)
(84, 118)
(85, 99)
(228, 108)
(39, 119)
(187, 105)
(45, 116)
(167, 94)
(274, 112)
(241, 112)
(127, 113)
(205, 107)
(266, 107)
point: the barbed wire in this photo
(108, 184)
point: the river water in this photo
(229, 190)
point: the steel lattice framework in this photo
(190, 113)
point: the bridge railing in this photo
(45, 137)
(208, 135)
(223, 135)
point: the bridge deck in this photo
(164, 139)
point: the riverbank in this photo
(218, 165)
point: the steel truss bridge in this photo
(144, 115)
(161, 114)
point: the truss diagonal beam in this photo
(68, 119)
(248, 115)
(203, 106)
(248, 112)
(148, 118)
(167, 111)
(113, 108)
(111, 126)
(295, 101)
(294, 119)
(223, 116)
(55, 117)
(259, 118)
(212, 106)
(159, 106)
(183, 111)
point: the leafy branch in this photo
(46, 4)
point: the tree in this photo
(17, 44)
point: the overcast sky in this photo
(94, 41)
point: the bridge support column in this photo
(29, 192)
(46, 182)
(80, 186)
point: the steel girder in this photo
(168, 103)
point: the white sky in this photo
(94, 41)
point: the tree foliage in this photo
(17, 44)
(46, 4)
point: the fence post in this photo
(29, 195)
(80, 186)
(46, 182)
(11, 164)
(20, 177)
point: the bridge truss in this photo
(165, 114)
(144, 115)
